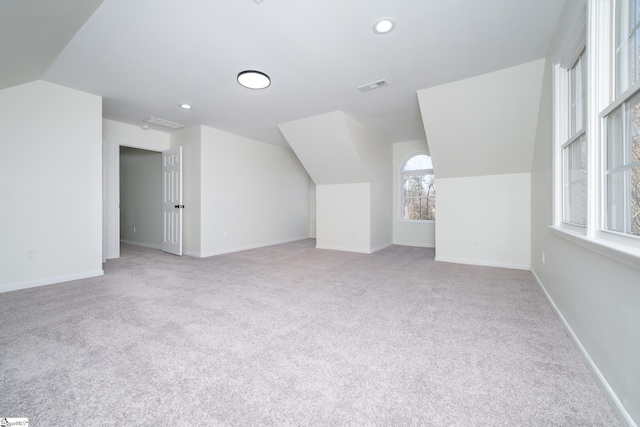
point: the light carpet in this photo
(291, 335)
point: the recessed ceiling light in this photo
(186, 106)
(254, 79)
(384, 25)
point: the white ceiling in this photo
(145, 57)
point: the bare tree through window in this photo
(418, 189)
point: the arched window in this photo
(418, 196)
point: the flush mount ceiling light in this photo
(384, 25)
(186, 106)
(253, 79)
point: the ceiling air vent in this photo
(373, 85)
(165, 123)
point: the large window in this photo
(418, 200)
(623, 168)
(574, 149)
(622, 126)
(597, 132)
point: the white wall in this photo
(344, 213)
(325, 148)
(312, 209)
(483, 125)
(141, 197)
(375, 155)
(409, 233)
(597, 298)
(481, 134)
(116, 134)
(484, 220)
(51, 185)
(337, 151)
(247, 193)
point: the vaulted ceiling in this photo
(146, 57)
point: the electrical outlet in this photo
(476, 241)
(32, 255)
(225, 235)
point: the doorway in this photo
(140, 197)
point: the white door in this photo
(172, 201)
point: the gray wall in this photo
(140, 197)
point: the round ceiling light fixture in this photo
(186, 106)
(253, 79)
(384, 25)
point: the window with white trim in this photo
(418, 194)
(574, 149)
(622, 168)
(597, 132)
(622, 126)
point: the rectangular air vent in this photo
(165, 123)
(373, 85)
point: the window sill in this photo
(419, 223)
(617, 252)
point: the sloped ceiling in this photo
(326, 149)
(34, 32)
(145, 57)
(485, 125)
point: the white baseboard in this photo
(242, 248)
(484, 263)
(142, 244)
(343, 249)
(379, 248)
(356, 250)
(413, 244)
(617, 405)
(49, 281)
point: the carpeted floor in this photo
(293, 336)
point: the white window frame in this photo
(401, 189)
(609, 103)
(562, 128)
(601, 101)
(571, 134)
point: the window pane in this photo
(572, 98)
(418, 162)
(615, 153)
(577, 95)
(418, 190)
(627, 39)
(583, 98)
(411, 208)
(615, 201)
(431, 208)
(575, 182)
(413, 185)
(635, 201)
(430, 185)
(419, 208)
(634, 131)
(423, 209)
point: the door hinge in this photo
(179, 206)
